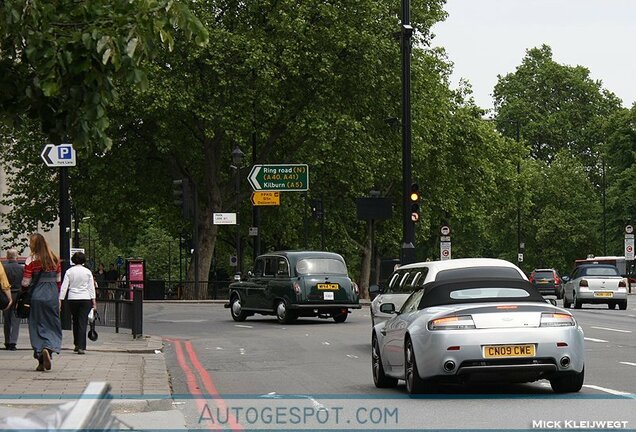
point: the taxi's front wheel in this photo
(238, 314)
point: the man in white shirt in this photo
(80, 285)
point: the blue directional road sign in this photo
(62, 155)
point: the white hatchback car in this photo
(407, 278)
(595, 283)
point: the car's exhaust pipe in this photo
(565, 361)
(449, 366)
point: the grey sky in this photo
(484, 38)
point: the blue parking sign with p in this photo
(64, 152)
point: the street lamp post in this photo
(408, 228)
(237, 159)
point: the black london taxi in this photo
(292, 284)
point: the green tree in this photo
(554, 106)
(59, 61)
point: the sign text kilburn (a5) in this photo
(279, 178)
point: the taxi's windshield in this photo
(309, 266)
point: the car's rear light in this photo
(297, 288)
(556, 320)
(622, 284)
(557, 280)
(461, 322)
(583, 283)
(531, 279)
(355, 288)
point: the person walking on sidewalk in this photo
(44, 269)
(14, 272)
(79, 282)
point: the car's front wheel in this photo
(283, 314)
(238, 314)
(379, 377)
(570, 383)
(566, 302)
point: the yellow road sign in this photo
(266, 198)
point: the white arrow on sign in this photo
(62, 155)
(252, 177)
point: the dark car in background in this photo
(292, 284)
(547, 282)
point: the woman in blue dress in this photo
(43, 269)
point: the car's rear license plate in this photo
(503, 351)
(328, 286)
(328, 295)
(604, 294)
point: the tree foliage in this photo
(60, 60)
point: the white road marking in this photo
(611, 329)
(594, 340)
(243, 326)
(242, 351)
(219, 348)
(628, 363)
(306, 334)
(326, 343)
(606, 390)
(352, 356)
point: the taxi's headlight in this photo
(556, 320)
(461, 322)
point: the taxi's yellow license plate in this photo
(504, 351)
(328, 286)
(604, 294)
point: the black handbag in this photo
(4, 300)
(22, 306)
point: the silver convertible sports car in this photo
(462, 331)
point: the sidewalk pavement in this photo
(135, 369)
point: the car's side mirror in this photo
(565, 278)
(250, 274)
(388, 308)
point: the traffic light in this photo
(181, 193)
(414, 199)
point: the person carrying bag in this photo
(80, 285)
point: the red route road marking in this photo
(192, 383)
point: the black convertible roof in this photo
(438, 293)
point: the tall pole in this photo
(408, 228)
(519, 249)
(604, 212)
(256, 247)
(195, 235)
(238, 225)
(65, 220)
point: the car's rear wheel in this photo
(340, 316)
(576, 301)
(414, 383)
(612, 305)
(379, 377)
(283, 314)
(238, 314)
(623, 305)
(570, 383)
